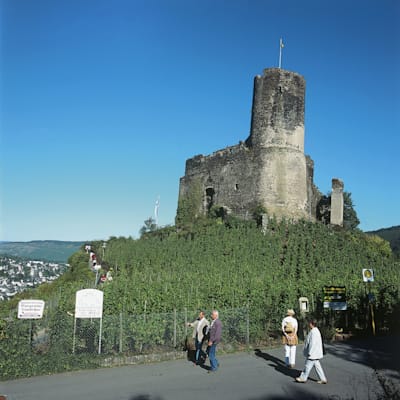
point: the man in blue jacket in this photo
(215, 338)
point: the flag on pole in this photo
(156, 207)
(281, 46)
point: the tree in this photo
(149, 226)
(350, 219)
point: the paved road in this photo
(257, 375)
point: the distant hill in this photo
(49, 250)
(392, 235)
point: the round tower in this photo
(278, 110)
(277, 138)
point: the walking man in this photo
(313, 352)
(199, 333)
(215, 338)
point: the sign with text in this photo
(30, 309)
(335, 297)
(89, 303)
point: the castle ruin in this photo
(268, 170)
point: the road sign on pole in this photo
(335, 298)
(30, 309)
(368, 275)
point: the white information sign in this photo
(30, 309)
(89, 303)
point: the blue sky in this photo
(102, 102)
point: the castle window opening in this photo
(236, 186)
(210, 192)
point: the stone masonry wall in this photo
(269, 168)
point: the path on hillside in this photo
(256, 375)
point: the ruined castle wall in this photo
(337, 202)
(282, 184)
(313, 193)
(228, 178)
(270, 168)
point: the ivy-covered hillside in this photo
(224, 266)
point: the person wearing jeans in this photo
(313, 351)
(199, 335)
(215, 338)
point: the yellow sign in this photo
(335, 297)
(368, 275)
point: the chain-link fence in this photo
(127, 333)
(60, 342)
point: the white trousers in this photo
(290, 355)
(309, 366)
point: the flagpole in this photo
(156, 210)
(280, 52)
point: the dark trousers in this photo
(199, 350)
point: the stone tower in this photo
(277, 135)
(269, 169)
(337, 202)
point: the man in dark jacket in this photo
(215, 338)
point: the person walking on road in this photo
(289, 338)
(313, 351)
(200, 331)
(215, 338)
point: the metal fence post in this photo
(120, 332)
(248, 325)
(174, 327)
(186, 322)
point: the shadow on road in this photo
(375, 352)
(299, 395)
(278, 364)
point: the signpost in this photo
(89, 304)
(368, 277)
(30, 309)
(335, 298)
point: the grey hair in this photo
(216, 313)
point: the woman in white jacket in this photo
(313, 351)
(201, 326)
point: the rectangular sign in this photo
(30, 309)
(335, 297)
(89, 303)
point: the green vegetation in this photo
(392, 235)
(220, 264)
(149, 226)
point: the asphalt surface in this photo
(359, 370)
